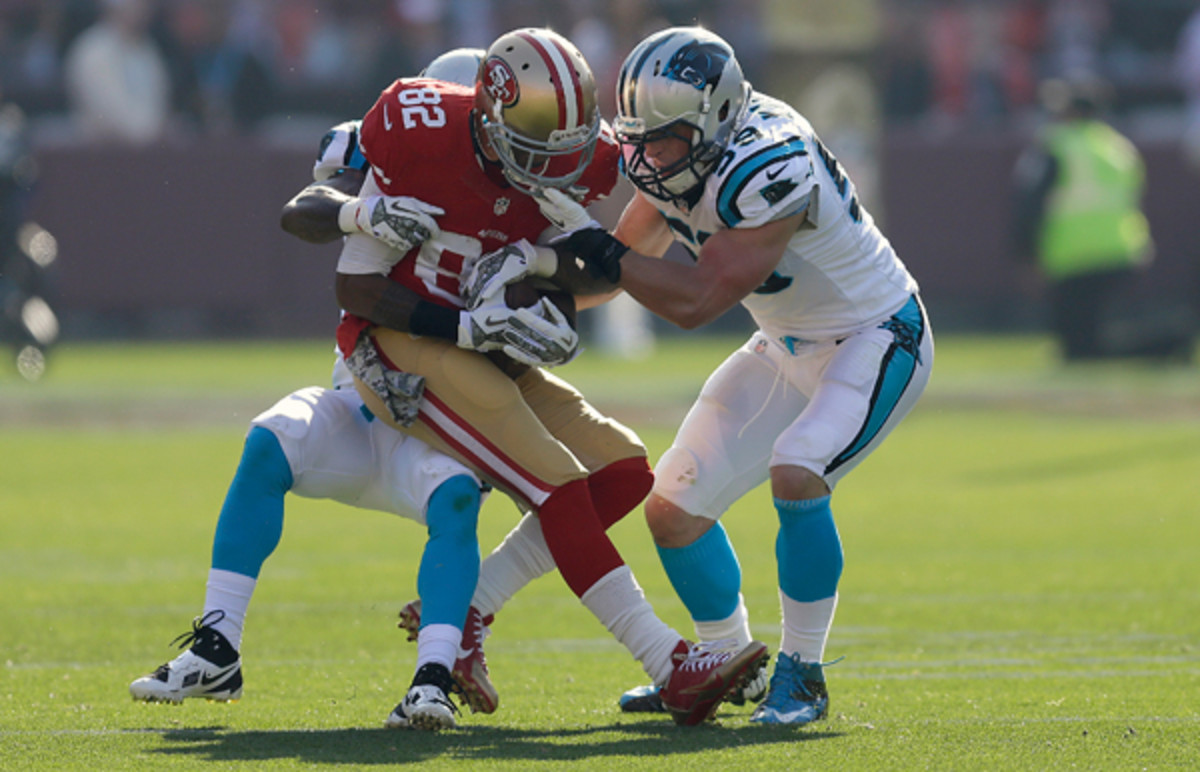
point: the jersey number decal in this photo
(420, 104)
(834, 167)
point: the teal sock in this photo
(808, 549)
(706, 575)
(450, 564)
(251, 520)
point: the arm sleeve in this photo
(767, 186)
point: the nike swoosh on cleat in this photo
(205, 680)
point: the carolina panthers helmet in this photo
(538, 99)
(458, 65)
(682, 75)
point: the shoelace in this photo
(475, 631)
(199, 625)
(794, 683)
(707, 654)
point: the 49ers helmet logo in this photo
(500, 82)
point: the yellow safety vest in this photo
(1093, 217)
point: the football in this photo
(524, 293)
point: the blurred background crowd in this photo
(178, 67)
(122, 123)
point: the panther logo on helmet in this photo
(683, 82)
(500, 83)
(698, 65)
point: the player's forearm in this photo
(674, 291)
(392, 305)
(312, 214)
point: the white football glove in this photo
(537, 336)
(339, 150)
(401, 222)
(487, 275)
(567, 214)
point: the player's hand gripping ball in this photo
(526, 293)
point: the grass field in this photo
(1022, 584)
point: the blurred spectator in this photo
(906, 77)
(1075, 31)
(219, 79)
(1078, 212)
(949, 52)
(1187, 66)
(116, 78)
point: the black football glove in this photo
(598, 249)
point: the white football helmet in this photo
(538, 98)
(682, 75)
(458, 65)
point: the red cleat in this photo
(470, 672)
(705, 675)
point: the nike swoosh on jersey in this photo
(770, 176)
(387, 123)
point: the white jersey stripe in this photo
(481, 454)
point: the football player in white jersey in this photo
(323, 443)
(842, 352)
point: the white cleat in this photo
(210, 668)
(427, 705)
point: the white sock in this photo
(618, 602)
(522, 557)
(735, 626)
(229, 592)
(438, 644)
(806, 626)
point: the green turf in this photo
(1022, 588)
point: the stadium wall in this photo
(182, 242)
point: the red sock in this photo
(619, 487)
(575, 537)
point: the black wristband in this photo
(600, 250)
(434, 321)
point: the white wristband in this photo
(544, 262)
(348, 215)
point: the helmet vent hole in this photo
(723, 113)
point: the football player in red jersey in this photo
(468, 159)
(321, 443)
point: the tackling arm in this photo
(641, 227)
(732, 264)
(312, 214)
